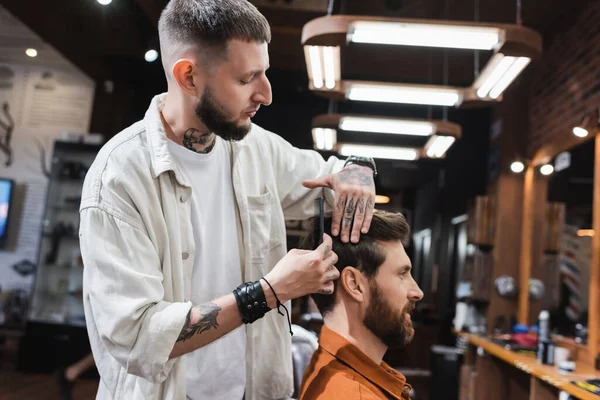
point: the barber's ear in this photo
(186, 75)
(354, 283)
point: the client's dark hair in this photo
(366, 255)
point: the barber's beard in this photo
(214, 116)
(390, 326)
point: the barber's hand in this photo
(303, 272)
(354, 189)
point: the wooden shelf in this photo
(546, 373)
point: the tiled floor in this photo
(20, 386)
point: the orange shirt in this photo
(339, 370)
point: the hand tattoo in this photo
(207, 321)
(371, 204)
(357, 174)
(324, 291)
(350, 208)
(341, 203)
(193, 137)
(347, 221)
(361, 206)
(327, 248)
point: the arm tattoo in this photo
(193, 137)
(361, 206)
(350, 208)
(207, 320)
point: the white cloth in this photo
(138, 250)
(217, 370)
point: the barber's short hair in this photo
(366, 255)
(207, 25)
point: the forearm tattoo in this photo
(208, 320)
(193, 137)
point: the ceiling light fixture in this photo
(324, 138)
(326, 127)
(151, 55)
(438, 146)
(517, 167)
(385, 152)
(498, 74)
(323, 65)
(547, 169)
(580, 132)
(424, 34)
(31, 52)
(104, 2)
(387, 125)
(514, 47)
(405, 94)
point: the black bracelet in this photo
(279, 304)
(251, 301)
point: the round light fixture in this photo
(517, 167)
(31, 52)
(104, 2)
(151, 55)
(547, 169)
(580, 132)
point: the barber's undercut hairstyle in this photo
(207, 26)
(366, 255)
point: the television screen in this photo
(6, 191)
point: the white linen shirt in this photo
(138, 251)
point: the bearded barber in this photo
(182, 223)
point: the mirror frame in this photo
(542, 156)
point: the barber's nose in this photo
(264, 95)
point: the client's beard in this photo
(391, 327)
(215, 118)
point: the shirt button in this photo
(183, 198)
(185, 256)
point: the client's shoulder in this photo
(327, 378)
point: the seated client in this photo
(368, 313)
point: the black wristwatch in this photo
(365, 161)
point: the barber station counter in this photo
(515, 376)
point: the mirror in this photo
(566, 240)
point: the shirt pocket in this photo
(263, 237)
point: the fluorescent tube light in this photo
(515, 69)
(500, 71)
(323, 65)
(324, 138)
(427, 35)
(406, 94)
(391, 153)
(387, 125)
(438, 145)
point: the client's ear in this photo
(354, 283)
